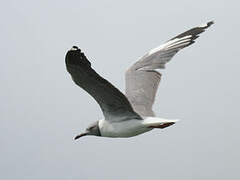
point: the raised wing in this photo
(114, 104)
(141, 78)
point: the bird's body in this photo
(130, 114)
(131, 127)
(127, 128)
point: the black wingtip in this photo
(194, 32)
(206, 25)
(75, 48)
(76, 57)
(210, 23)
(77, 137)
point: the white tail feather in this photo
(155, 121)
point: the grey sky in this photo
(41, 109)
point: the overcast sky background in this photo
(41, 109)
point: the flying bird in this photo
(130, 114)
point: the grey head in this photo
(92, 129)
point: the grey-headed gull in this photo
(130, 114)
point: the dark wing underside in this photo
(114, 104)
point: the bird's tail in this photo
(154, 122)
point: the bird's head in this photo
(93, 130)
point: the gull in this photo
(130, 114)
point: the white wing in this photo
(141, 78)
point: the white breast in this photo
(126, 128)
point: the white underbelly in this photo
(126, 128)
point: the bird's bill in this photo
(80, 135)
